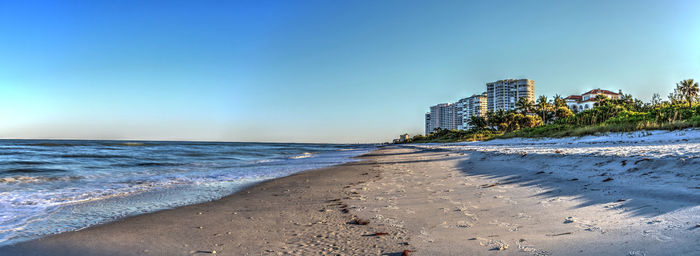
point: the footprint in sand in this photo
(494, 245)
(523, 247)
(508, 226)
(522, 215)
(464, 224)
(426, 236)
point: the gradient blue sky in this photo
(315, 71)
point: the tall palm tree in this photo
(543, 106)
(688, 89)
(524, 105)
(559, 101)
(600, 100)
(477, 122)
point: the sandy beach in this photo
(634, 194)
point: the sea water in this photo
(52, 186)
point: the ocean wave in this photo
(195, 154)
(51, 144)
(148, 164)
(93, 156)
(6, 153)
(32, 170)
(305, 155)
(20, 162)
(267, 161)
(30, 179)
(128, 144)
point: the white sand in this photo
(547, 197)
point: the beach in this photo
(618, 194)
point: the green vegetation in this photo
(554, 119)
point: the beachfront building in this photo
(428, 128)
(441, 116)
(471, 106)
(578, 103)
(503, 94)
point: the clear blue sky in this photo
(315, 71)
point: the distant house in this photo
(403, 138)
(586, 101)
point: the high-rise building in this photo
(503, 94)
(442, 116)
(428, 127)
(471, 106)
(461, 106)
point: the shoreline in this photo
(54, 187)
(533, 199)
(204, 227)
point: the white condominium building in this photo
(428, 126)
(441, 116)
(503, 94)
(472, 106)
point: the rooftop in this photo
(600, 91)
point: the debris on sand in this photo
(569, 219)
(490, 185)
(498, 245)
(406, 252)
(560, 234)
(358, 221)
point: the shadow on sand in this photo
(592, 184)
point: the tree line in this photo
(545, 117)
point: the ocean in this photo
(54, 186)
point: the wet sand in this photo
(415, 200)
